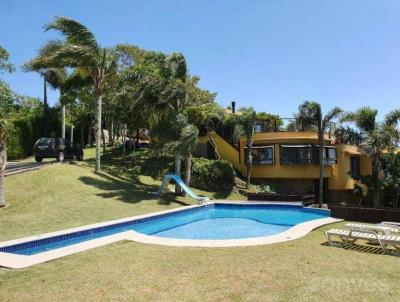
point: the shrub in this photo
(26, 124)
(212, 175)
(267, 189)
(13, 143)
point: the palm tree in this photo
(373, 138)
(310, 115)
(79, 50)
(247, 120)
(45, 74)
(56, 77)
(188, 142)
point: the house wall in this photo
(282, 171)
(226, 151)
(337, 174)
(341, 179)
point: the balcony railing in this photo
(282, 124)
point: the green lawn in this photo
(63, 196)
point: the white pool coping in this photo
(16, 261)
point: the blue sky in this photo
(269, 54)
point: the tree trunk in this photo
(321, 168)
(82, 134)
(63, 121)
(123, 143)
(45, 107)
(178, 190)
(111, 134)
(90, 134)
(249, 162)
(3, 160)
(137, 136)
(104, 140)
(376, 194)
(45, 104)
(98, 128)
(72, 135)
(188, 173)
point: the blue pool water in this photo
(212, 222)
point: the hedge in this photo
(212, 175)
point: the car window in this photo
(44, 141)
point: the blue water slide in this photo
(167, 178)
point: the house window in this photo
(261, 155)
(330, 156)
(355, 166)
(296, 154)
(258, 128)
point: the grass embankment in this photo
(61, 196)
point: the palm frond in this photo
(309, 114)
(349, 136)
(77, 80)
(393, 117)
(330, 116)
(72, 55)
(364, 118)
(56, 77)
(43, 60)
(75, 32)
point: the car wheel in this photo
(38, 159)
(60, 157)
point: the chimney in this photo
(233, 106)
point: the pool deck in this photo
(17, 261)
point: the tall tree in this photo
(310, 115)
(247, 120)
(6, 100)
(392, 176)
(79, 50)
(373, 137)
(57, 77)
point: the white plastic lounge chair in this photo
(392, 224)
(382, 229)
(351, 236)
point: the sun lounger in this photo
(352, 235)
(382, 229)
(392, 224)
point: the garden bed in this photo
(365, 214)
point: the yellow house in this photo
(288, 161)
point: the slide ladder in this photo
(167, 178)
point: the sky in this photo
(269, 54)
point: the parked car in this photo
(57, 148)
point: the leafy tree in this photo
(272, 122)
(79, 50)
(5, 65)
(232, 129)
(391, 162)
(310, 114)
(6, 97)
(373, 138)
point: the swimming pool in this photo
(213, 221)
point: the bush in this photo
(26, 124)
(212, 175)
(13, 144)
(266, 189)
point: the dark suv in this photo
(56, 148)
